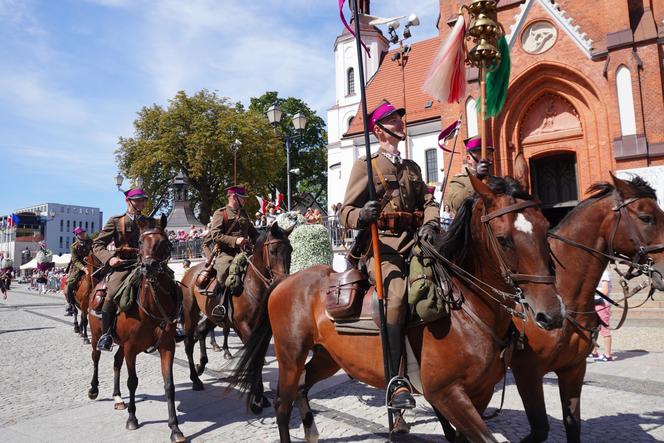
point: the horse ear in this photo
(622, 187)
(522, 172)
(482, 189)
(162, 221)
(275, 230)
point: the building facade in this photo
(50, 222)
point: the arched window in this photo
(431, 156)
(350, 81)
(625, 101)
(471, 117)
(350, 122)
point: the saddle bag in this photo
(98, 297)
(344, 293)
(427, 299)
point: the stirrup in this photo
(396, 383)
(104, 338)
(219, 313)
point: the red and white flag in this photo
(263, 202)
(279, 200)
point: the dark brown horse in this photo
(84, 287)
(618, 219)
(500, 234)
(270, 261)
(148, 324)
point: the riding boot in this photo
(70, 302)
(400, 395)
(105, 342)
(219, 313)
(69, 310)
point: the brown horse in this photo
(270, 261)
(148, 324)
(493, 238)
(84, 287)
(614, 220)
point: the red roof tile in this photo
(386, 84)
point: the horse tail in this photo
(248, 372)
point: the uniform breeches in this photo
(394, 286)
(221, 265)
(113, 284)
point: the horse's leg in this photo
(94, 384)
(455, 405)
(84, 325)
(189, 343)
(117, 367)
(529, 382)
(224, 347)
(570, 382)
(132, 384)
(448, 430)
(200, 367)
(166, 350)
(77, 329)
(213, 342)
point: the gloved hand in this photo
(428, 233)
(482, 168)
(369, 213)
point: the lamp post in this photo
(118, 181)
(235, 147)
(299, 121)
(401, 57)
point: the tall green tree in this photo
(194, 134)
(308, 150)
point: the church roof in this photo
(386, 84)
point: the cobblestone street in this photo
(47, 370)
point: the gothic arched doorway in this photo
(554, 183)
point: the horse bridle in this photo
(151, 279)
(268, 279)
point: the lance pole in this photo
(449, 163)
(374, 227)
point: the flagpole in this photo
(374, 227)
(449, 163)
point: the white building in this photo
(384, 81)
(51, 222)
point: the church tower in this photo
(347, 89)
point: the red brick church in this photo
(585, 95)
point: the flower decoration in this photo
(291, 219)
(311, 246)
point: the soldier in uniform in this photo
(231, 232)
(77, 267)
(403, 204)
(124, 231)
(460, 187)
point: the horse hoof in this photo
(216, 348)
(132, 425)
(266, 403)
(92, 394)
(197, 386)
(178, 437)
(77, 330)
(86, 341)
(400, 426)
(119, 406)
(227, 355)
(256, 408)
(200, 369)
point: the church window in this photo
(432, 165)
(471, 117)
(350, 122)
(625, 101)
(350, 80)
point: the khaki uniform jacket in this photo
(460, 188)
(407, 192)
(219, 234)
(79, 250)
(112, 233)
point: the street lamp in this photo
(235, 147)
(401, 57)
(118, 181)
(139, 182)
(299, 120)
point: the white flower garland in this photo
(289, 219)
(311, 246)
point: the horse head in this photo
(272, 254)
(509, 227)
(637, 226)
(154, 248)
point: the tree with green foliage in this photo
(308, 150)
(194, 134)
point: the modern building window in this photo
(80, 224)
(350, 81)
(92, 227)
(62, 209)
(86, 226)
(60, 242)
(67, 243)
(625, 101)
(471, 117)
(432, 165)
(68, 209)
(62, 226)
(67, 225)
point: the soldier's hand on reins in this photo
(241, 242)
(369, 213)
(428, 233)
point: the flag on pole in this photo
(447, 134)
(263, 203)
(279, 200)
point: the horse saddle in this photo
(97, 298)
(351, 303)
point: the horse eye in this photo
(504, 241)
(646, 218)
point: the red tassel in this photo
(446, 80)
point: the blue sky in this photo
(73, 74)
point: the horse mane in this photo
(453, 245)
(600, 190)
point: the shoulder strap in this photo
(381, 177)
(230, 228)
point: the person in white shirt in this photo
(603, 309)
